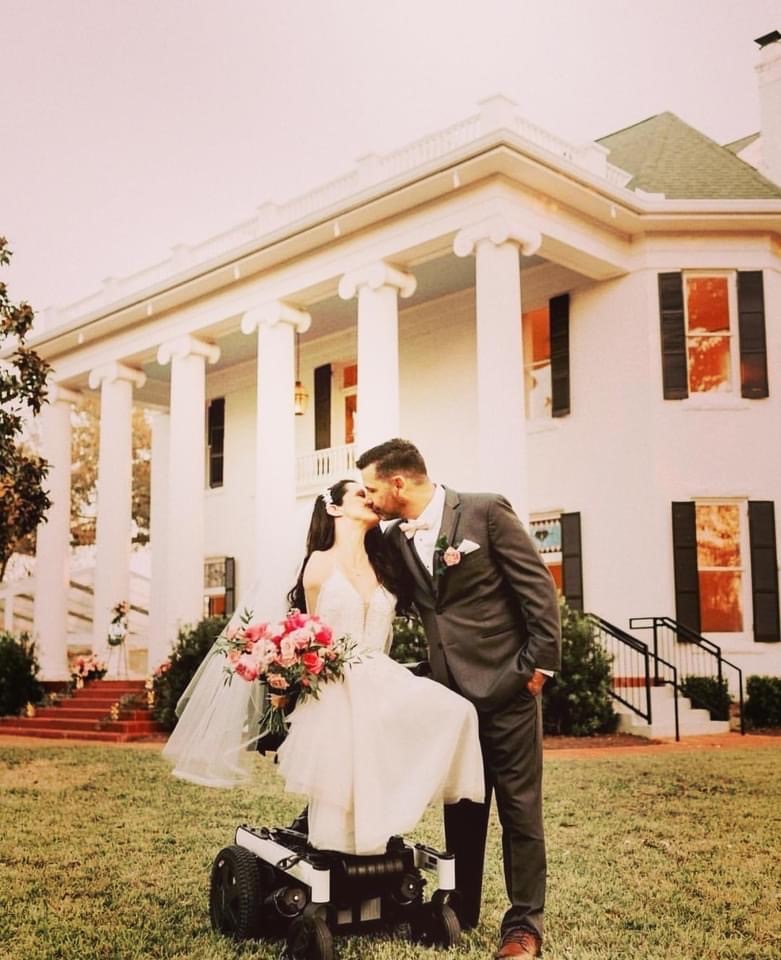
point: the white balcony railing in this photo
(319, 469)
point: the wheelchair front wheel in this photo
(308, 938)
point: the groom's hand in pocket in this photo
(537, 682)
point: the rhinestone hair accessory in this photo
(327, 497)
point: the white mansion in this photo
(592, 329)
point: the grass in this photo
(104, 857)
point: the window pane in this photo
(708, 364)
(539, 320)
(707, 304)
(350, 377)
(539, 391)
(555, 570)
(720, 606)
(718, 535)
(350, 407)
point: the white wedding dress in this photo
(374, 750)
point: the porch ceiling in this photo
(436, 278)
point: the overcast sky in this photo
(129, 126)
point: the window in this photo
(216, 441)
(219, 580)
(546, 534)
(708, 300)
(713, 334)
(350, 401)
(537, 366)
(720, 570)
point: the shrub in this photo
(579, 703)
(18, 674)
(171, 680)
(708, 693)
(763, 706)
(409, 640)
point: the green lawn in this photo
(674, 855)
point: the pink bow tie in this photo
(410, 527)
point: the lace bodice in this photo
(345, 611)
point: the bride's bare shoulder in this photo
(319, 568)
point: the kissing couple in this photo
(374, 751)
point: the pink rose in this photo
(254, 632)
(451, 557)
(247, 669)
(233, 656)
(295, 620)
(324, 635)
(277, 681)
(313, 662)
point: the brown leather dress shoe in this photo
(521, 944)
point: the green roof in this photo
(666, 155)
(737, 145)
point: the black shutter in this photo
(571, 560)
(764, 570)
(230, 585)
(216, 441)
(323, 407)
(687, 584)
(559, 354)
(751, 326)
(675, 377)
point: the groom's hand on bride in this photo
(537, 682)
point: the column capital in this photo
(187, 346)
(114, 371)
(273, 313)
(374, 276)
(497, 229)
(56, 393)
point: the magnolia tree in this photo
(23, 501)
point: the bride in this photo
(374, 750)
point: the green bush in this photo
(708, 693)
(578, 703)
(763, 706)
(18, 674)
(409, 640)
(171, 680)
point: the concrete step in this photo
(52, 734)
(691, 722)
(55, 723)
(89, 713)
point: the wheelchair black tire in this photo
(235, 895)
(308, 938)
(438, 925)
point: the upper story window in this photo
(215, 440)
(537, 366)
(546, 359)
(350, 401)
(713, 333)
(710, 309)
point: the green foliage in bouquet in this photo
(708, 693)
(18, 674)
(763, 707)
(578, 703)
(409, 640)
(171, 680)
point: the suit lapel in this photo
(451, 517)
(414, 563)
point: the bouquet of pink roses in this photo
(293, 658)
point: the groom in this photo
(490, 612)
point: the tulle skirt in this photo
(375, 750)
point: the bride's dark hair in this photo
(321, 536)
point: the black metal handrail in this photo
(694, 655)
(632, 659)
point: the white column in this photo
(278, 551)
(378, 287)
(186, 479)
(159, 644)
(115, 477)
(52, 551)
(502, 451)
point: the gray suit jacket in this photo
(492, 619)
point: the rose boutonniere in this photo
(445, 555)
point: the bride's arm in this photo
(317, 570)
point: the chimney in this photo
(769, 75)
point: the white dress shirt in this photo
(425, 541)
